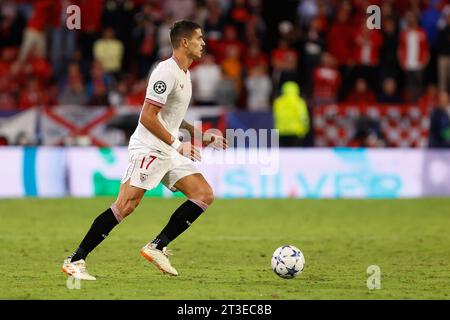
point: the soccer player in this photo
(157, 155)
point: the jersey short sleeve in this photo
(160, 84)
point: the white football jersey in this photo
(169, 88)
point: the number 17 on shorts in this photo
(145, 163)
(146, 171)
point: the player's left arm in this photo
(217, 141)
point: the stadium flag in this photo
(79, 125)
(22, 123)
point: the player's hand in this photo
(189, 151)
(216, 141)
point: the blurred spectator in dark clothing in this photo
(311, 47)
(214, 24)
(389, 65)
(443, 51)
(144, 36)
(25, 7)
(361, 93)
(388, 11)
(429, 20)
(413, 54)
(429, 17)
(118, 15)
(327, 81)
(439, 134)
(285, 64)
(389, 92)
(367, 48)
(98, 78)
(368, 134)
(99, 96)
(91, 25)
(11, 26)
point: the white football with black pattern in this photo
(288, 262)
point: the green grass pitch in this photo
(226, 252)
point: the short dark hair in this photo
(182, 29)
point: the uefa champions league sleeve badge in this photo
(159, 87)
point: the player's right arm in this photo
(160, 85)
(149, 119)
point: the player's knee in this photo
(207, 196)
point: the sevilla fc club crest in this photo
(144, 177)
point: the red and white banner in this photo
(67, 125)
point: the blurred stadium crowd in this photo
(323, 46)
